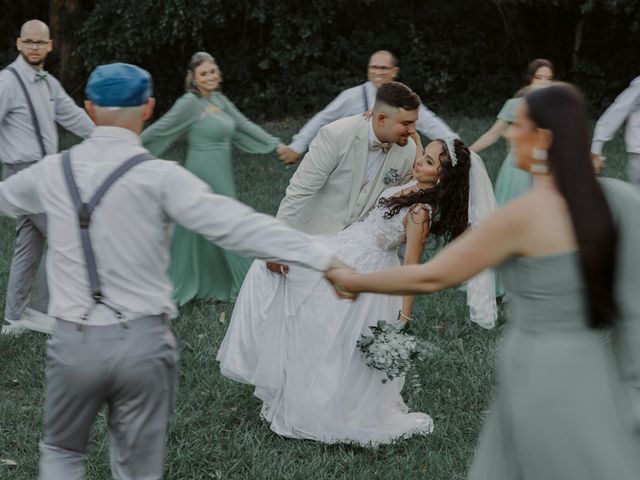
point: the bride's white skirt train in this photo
(296, 342)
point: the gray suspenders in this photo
(364, 98)
(34, 119)
(84, 211)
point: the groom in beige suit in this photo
(350, 162)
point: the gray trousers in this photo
(132, 369)
(633, 168)
(31, 237)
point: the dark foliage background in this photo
(285, 57)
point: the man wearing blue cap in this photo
(31, 102)
(109, 206)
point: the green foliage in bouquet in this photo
(392, 350)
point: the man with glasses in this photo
(31, 102)
(383, 67)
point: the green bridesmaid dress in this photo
(562, 410)
(199, 269)
(511, 182)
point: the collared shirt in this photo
(130, 228)
(375, 156)
(357, 100)
(625, 108)
(18, 141)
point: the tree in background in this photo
(290, 57)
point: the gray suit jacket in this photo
(330, 189)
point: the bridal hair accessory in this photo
(451, 149)
(539, 154)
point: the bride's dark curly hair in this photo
(449, 198)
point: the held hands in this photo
(288, 156)
(336, 274)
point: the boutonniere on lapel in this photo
(392, 176)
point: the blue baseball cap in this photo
(119, 85)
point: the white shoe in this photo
(30, 320)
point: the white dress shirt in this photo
(18, 141)
(625, 108)
(130, 228)
(357, 100)
(375, 158)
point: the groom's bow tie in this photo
(40, 76)
(384, 146)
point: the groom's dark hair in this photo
(396, 95)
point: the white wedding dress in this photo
(296, 342)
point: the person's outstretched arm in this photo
(474, 251)
(432, 126)
(340, 107)
(491, 136)
(416, 227)
(614, 116)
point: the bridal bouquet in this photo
(391, 350)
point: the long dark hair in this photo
(562, 110)
(533, 67)
(449, 198)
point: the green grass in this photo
(217, 432)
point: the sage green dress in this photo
(563, 408)
(198, 268)
(511, 181)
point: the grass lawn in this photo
(217, 432)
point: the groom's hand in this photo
(279, 268)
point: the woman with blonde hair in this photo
(211, 124)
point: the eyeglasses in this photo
(384, 68)
(543, 77)
(35, 44)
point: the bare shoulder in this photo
(419, 213)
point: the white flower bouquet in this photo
(391, 350)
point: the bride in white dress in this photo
(295, 340)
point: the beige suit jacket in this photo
(330, 189)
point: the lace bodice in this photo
(375, 234)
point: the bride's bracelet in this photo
(402, 315)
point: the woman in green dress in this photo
(567, 405)
(511, 181)
(211, 124)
